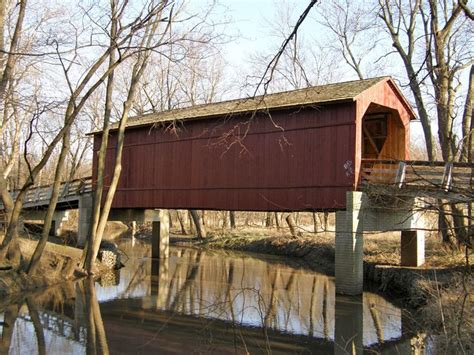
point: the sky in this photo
(251, 31)
(250, 24)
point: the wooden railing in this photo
(420, 174)
(41, 195)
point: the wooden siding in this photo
(304, 158)
(297, 160)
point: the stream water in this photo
(203, 302)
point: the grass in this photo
(379, 248)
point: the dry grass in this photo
(379, 248)
(450, 313)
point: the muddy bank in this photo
(412, 285)
(59, 264)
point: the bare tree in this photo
(467, 143)
(403, 22)
(200, 230)
(350, 26)
(158, 13)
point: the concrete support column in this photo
(84, 219)
(59, 217)
(349, 325)
(349, 246)
(160, 235)
(412, 248)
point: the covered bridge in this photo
(291, 151)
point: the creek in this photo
(204, 301)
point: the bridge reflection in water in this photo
(205, 301)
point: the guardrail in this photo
(41, 195)
(419, 174)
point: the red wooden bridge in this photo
(291, 151)
(319, 148)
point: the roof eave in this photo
(147, 124)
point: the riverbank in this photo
(58, 264)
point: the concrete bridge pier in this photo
(38, 216)
(160, 239)
(412, 248)
(349, 246)
(159, 219)
(59, 217)
(362, 216)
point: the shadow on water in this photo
(203, 302)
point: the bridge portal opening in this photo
(374, 135)
(383, 134)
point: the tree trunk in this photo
(277, 221)
(225, 220)
(459, 221)
(326, 217)
(96, 238)
(192, 229)
(443, 224)
(315, 223)
(200, 230)
(269, 220)
(232, 219)
(247, 220)
(137, 72)
(99, 188)
(6, 198)
(11, 59)
(9, 319)
(204, 222)
(181, 223)
(467, 122)
(292, 225)
(34, 262)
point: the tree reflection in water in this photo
(202, 301)
(96, 338)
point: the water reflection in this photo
(202, 301)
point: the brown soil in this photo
(58, 264)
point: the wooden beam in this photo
(371, 140)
